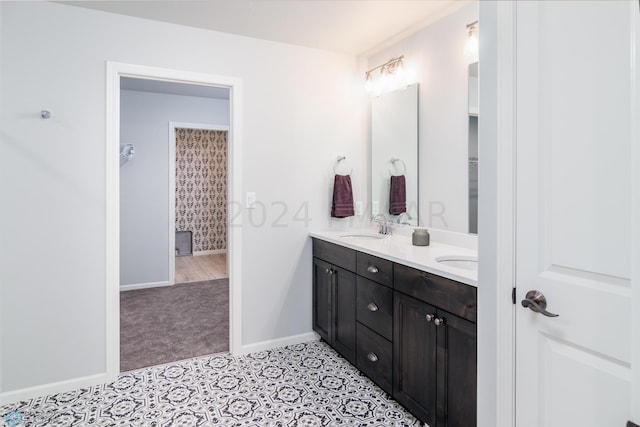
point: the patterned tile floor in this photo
(300, 385)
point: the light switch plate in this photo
(359, 208)
(250, 200)
(375, 208)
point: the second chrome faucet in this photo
(383, 223)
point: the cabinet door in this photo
(322, 298)
(344, 313)
(457, 372)
(414, 357)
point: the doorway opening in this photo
(165, 80)
(198, 220)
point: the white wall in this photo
(144, 191)
(302, 107)
(435, 55)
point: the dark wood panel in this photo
(452, 296)
(344, 313)
(374, 268)
(457, 358)
(414, 357)
(374, 357)
(322, 298)
(335, 254)
(375, 307)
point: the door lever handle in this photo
(536, 301)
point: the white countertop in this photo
(398, 248)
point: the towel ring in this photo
(335, 168)
(393, 161)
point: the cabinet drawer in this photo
(335, 254)
(374, 268)
(449, 295)
(374, 357)
(374, 307)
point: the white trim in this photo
(202, 126)
(134, 286)
(112, 219)
(172, 186)
(506, 146)
(210, 252)
(51, 388)
(635, 213)
(172, 204)
(234, 167)
(280, 342)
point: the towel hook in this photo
(340, 159)
(393, 161)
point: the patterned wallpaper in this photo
(201, 187)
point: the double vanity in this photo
(404, 315)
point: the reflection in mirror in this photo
(473, 148)
(394, 154)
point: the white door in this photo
(574, 128)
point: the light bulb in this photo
(383, 82)
(471, 45)
(368, 85)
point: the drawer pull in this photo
(372, 357)
(439, 321)
(372, 306)
(372, 269)
(430, 317)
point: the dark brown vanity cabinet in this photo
(334, 297)
(434, 350)
(413, 333)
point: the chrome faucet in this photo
(385, 226)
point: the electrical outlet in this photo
(359, 208)
(375, 207)
(250, 200)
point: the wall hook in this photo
(45, 114)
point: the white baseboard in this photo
(51, 388)
(144, 285)
(280, 342)
(211, 252)
(92, 380)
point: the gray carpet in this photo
(166, 324)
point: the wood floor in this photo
(201, 267)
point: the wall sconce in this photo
(471, 45)
(392, 76)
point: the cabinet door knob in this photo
(372, 269)
(430, 317)
(372, 357)
(372, 306)
(439, 321)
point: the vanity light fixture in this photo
(391, 76)
(471, 45)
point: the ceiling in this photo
(172, 88)
(355, 27)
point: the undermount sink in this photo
(459, 261)
(371, 236)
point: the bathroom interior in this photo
(401, 117)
